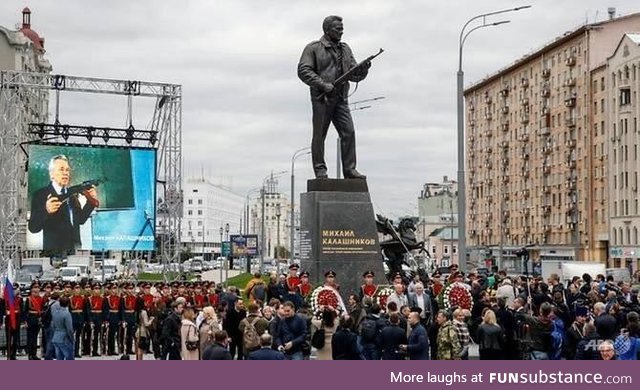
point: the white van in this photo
(71, 274)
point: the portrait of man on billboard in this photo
(58, 209)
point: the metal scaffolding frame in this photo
(24, 100)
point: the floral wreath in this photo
(381, 295)
(456, 294)
(324, 296)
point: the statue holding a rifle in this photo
(326, 66)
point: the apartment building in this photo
(537, 138)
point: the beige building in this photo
(623, 77)
(23, 49)
(537, 133)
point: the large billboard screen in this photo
(243, 245)
(90, 198)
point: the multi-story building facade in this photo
(23, 50)
(536, 172)
(277, 223)
(438, 208)
(623, 77)
(442, 244)
(208, 210)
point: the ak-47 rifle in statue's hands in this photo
(366, 64)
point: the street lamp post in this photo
(462, 223)
(269, 177)
(296, 154)
(221, 263)
(226, 269)
(278, 214)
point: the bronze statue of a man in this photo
(321, 64)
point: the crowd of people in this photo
(587, 318)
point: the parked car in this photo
(49, 275)
(196, 265)
(24, 280)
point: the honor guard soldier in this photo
(212, 295)
(305, 288)
(79, 315)
(368, 289)
(330, 280)
(12, 331)
(33, 312)
(165, 291)
(67, 291)
(147, 297)
(97, 320)
(114, 317)
(199, 299)
(292, 279)
(130, 303)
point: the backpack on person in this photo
(557, 340)
(259, 292)
(250, 338)
(368, 330)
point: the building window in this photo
(199, 223)
(199, 234)
(455, 249)
(190, 201)
(199, 201)
(199, 212)
(433, 250)
(189, 212)
(625, 96)
(446, 249)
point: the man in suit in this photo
(60, 220)
(265, 352)
(422, 300)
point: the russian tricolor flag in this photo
(10, 301)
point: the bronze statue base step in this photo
(337, 185)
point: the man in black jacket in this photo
(344, 343)
(322, 62)
(60, 220)
(218, 350)
(171, 338)
(291, 333)
(391, 338)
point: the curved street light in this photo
(298, 153)
(462, 223)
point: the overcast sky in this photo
(245, 111)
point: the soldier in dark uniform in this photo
(114, 317)
(33, 314)
(130, 303)
(13, 333)
(368, 289)
(97, 318)
(79, 313)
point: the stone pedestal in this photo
(338, 232)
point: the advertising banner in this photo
(244, 245)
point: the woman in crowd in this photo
(143, 335)
(208, 328)
(189, 336)
(490, 337)
(325, 320)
